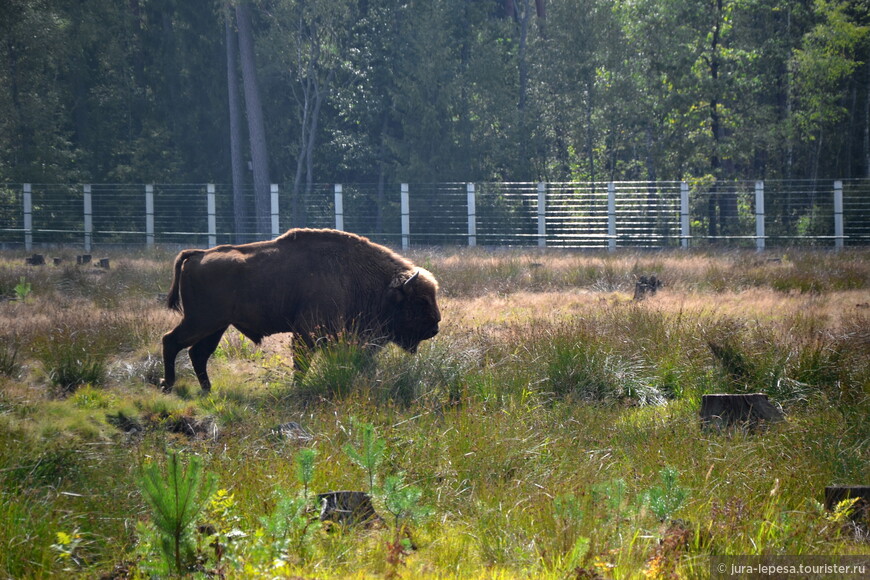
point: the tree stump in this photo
(83, 259)
(58, 261)
(103, 263)
(834, 494)
(347, 508)
(722, 411)
(35, 260)
(646, 286)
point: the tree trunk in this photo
(319, 95)
(590, 145)
(382, 174)
(726, 204)
(240, 209)
(256, 127)
(297, 209)
(523, 66)
(867, 126)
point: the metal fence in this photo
(751, 214)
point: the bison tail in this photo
(173, 299)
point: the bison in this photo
(313, 283)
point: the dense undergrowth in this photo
(551, 430)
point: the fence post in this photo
(273, 190)
(212, 222)
(89, 218)
(838, 215)
(759, 216)
(542, 215)
(28, 217)
(684, 215)
(406, 217)
(339, 207)
(149, 215)
(611, 216)
(472, 216)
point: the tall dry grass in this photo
(537, 424)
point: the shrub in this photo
(334, 369)
(590, 372)
(89, 397)
(9, 361)
(439, 369)
(69, 363)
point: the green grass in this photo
(551, 430)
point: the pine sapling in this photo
(371, 453)
(667, 497)
(176, 498)
(292, 525)
(402, 501)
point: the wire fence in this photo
(567, 215)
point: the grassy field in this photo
(550, 431)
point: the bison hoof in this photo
(164, 386)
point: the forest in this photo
(325, 91)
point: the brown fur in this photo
(309, 282)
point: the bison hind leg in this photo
(200, 353)
(171, 347)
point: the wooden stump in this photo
(83, 259)
(58, 261)
(35, 260)
(834, 494)
(347, 508)
(729, 410)
(103, 263)
(646, 286)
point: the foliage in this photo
(451, 91)
(667, 497)
(67, 548)
(69, 361)
(176, 496)
(22, 289)
(370, 454)
(402, 501)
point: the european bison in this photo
(312, 283)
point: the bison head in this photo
(415, 309)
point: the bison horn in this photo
(407, 283)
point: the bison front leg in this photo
(199, 355)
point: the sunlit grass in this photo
(537, 424)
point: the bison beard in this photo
(312, 283)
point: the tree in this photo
(308, 43)
(35, 132)
(822, 67)
(240, 208)
(256, 127)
